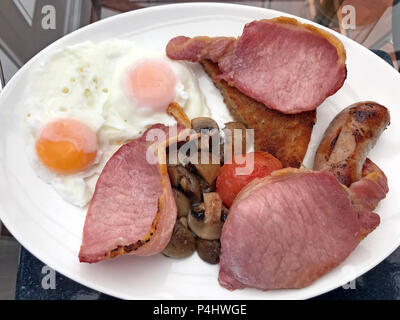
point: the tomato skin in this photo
(229, 183)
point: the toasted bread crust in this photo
(286, 136)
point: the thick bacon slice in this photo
(133, 209)
(200, 48)
(288, 229)
(286, 65)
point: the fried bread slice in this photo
(286, 136)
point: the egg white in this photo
(86, 83)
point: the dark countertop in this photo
(382, 282)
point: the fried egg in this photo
(87, 100)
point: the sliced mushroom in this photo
(210, 137)
(204, 123)
(208, 250)
(183, 178)
(205, 187)
(187, 151)
(207, 225)
(198, 210)
(182, 243)
(207, 166)
(183, 204)
(224, 213)
(184, 221)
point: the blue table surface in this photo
(34, 278)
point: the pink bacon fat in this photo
(133, 209)
(289, 66)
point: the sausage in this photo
(348, 139)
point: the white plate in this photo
(51, 229)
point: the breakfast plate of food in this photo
(203, 151)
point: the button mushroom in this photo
(208, 250)
(183, 178)
(209, 129)
(182, 243)
(198, 210)
(182, 203)
(204, 123)
(183, 220)
(207, 225)
(207, 165)
(205, 187)
(224, 213)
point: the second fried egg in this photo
(89, 99)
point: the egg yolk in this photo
(66, 146)
(152, 84)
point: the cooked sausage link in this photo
(349, 138)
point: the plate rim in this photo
(148, 10)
